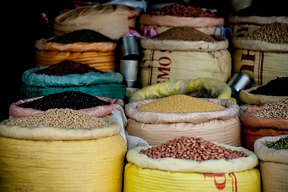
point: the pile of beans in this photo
(180, 104)
(274, 33)
(181, 11)
(275, 87)
(184, 33)
(67, 67)
(83, 35)
(280, 144)
(64, 118)
(68, 99)
(191, 148)
(277, 110)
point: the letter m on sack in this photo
(247, 61)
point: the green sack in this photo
(30, 78)
(112, 90)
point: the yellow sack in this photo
(170, 174)
(59, 159)
(150, 180)
(214, 87)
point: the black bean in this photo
(68, 99)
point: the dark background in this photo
(21, 25)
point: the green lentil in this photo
(180, 104)
(280, 144)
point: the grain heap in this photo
(180, 104)
(191, 148)
(182, 11)
(282, 143)
(277, 110)
(275, 33)
(68, 99)
(275, 87)
(184, 33)
(83, 35)
(67, 67)
(63, 118)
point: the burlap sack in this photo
(255, 128)
(168, 20)
(158, 66)
(112, 21)
(254, 99)
(42, 44)
(261, 61)
(218, 126)
(273, 166)
(243, 25)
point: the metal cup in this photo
(129, 70)
(239, 81)
(129, 45)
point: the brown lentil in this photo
(181, 11)
(180, 104)
(184, 33)
(274, 33)
(277, 110)
(192, 148)
(64, 118)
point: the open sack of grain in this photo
(271, 92)
(191, 164)
(266, 120)
(244, 25)
(159, 120)
(61, 150)
(178, 15)
(184, 53)
(71, 76)
(272, 151)
(200, 87)
(85, 46)
(262, 54)
(85, 103)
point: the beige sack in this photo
(273, 166)
(181, 45)
(157, 128)
(261, 61)
(175, 21)
(159, 66)
(112, 21)
(254, 99)
(243, 25)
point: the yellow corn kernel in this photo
(180, 104)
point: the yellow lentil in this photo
(180, 104)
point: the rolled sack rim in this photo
(231, 110)
(181, 165)
(58, 133)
